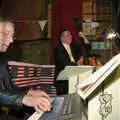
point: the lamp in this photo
(112, 35)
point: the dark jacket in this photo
(62, 58)
(9, 96)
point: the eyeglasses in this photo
(8, 34)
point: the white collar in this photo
(65, 45)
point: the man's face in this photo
(66, 37)
(6, 35)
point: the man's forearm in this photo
(9, 98)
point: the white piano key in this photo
(35, 116)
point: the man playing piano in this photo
(10, 96)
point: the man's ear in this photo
(61, 38)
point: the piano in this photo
(70, 106)
(97, 96)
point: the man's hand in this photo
(84, 37)
(38, 93)
(37, 99)
(80, 61)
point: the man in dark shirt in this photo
(67, 53)
(9, 96)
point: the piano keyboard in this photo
(35, 116)
(64, 108)
(60, 104)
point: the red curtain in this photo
(62, 13)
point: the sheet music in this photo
(85, 88)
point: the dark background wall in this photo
(36, 51)
(24, 9)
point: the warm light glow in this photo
(111, 35)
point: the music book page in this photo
(85, 88)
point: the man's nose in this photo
(11, 40)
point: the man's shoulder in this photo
(73, 44)
(59, 45)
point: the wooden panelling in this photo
(24, 9)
